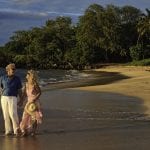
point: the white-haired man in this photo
(11, 88)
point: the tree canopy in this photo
(101, 35)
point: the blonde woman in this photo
(32, 115)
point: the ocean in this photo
(51, 76)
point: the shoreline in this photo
(136, 83)
(97, 78)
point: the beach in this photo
(109, 111)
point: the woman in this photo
(32, 115)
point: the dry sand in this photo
(110, 111)
(137, 85)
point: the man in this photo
(11, 88)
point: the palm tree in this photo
(143, 29)
(143, 26)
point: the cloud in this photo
(9, 13)
(12, 13)
(25, 1)
(65, 13)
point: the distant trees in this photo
(110, 34)
(3, 57)
(143, 28)
(90, 36)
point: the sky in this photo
(25, 14)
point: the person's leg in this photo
(24, 123)
(14, 113)
(5, 110)
(34, 127)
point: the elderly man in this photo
(11, 88)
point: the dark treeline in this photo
(108, 34)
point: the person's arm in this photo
(20, 94)
(1, 86)
(20, 98)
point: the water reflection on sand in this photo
(83, 120)
(13, 143)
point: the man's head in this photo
(10, 69)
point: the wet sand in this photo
(110, 111)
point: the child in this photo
(32, 114)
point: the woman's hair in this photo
(33, 76)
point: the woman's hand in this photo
(20, 103)
(32, 99)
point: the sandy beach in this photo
(109, 111)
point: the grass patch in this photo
(144, 62)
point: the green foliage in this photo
(20, 59)
(143, 29)
(90, 35)
(144, 62)
(128, 32)
(2, 57)
(102, 34)
(136, 52)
